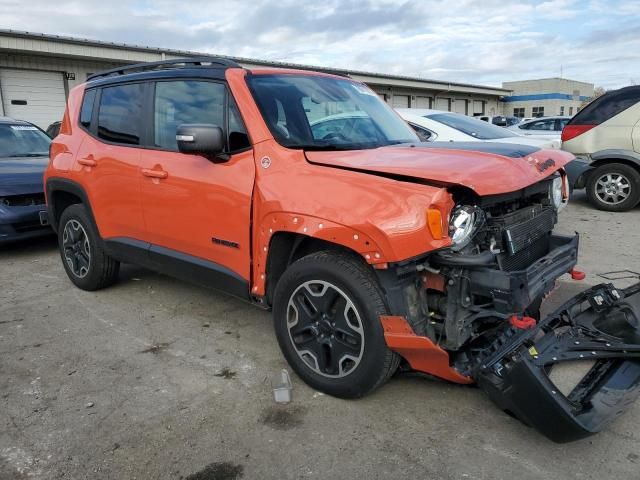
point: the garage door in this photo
(423, 102)
(478, 107)
(32, 95)
(401, 101)
(460, 106)
(443, 104)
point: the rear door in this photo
(109, 158)
(197, 210)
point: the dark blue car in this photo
(24, 153)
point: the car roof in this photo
(421, 112)
(550, 117)
(204, 67)
(13, 121)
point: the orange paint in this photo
(421, 353)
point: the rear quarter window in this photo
(607, 106)
(86, 111)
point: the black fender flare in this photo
(613, 154)
(56, 184)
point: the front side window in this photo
(326, 113)
(21, 140)
(472, 126)
(185, 101)
(120, 114)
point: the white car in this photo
(435, 125)
(544, 127)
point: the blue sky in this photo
(483, 42)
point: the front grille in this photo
(23, 200)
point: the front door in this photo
(197, 211)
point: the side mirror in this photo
(200, 139)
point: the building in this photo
(546, 97)
(37, 71)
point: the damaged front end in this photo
(596, 333)
(471, 313)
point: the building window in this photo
(570, 110)
(562, 110)
(537, 111)
(518, 112)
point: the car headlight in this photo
(558, 188)
(463, 224)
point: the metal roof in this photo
(252, 61)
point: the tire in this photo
(83, 258)
(614, 187)
(341, 352)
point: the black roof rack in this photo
(163, 64)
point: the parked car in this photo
(607, 133)
(499, 120)
(372, 250)
(545, 127)
(24, 152)
(434, 125)
(53, 129)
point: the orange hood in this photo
(488, 169)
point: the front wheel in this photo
(327, 309)
(614, 187)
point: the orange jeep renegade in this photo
(305, 193)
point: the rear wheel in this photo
(84, 260)
(327, 309)
(614, 187)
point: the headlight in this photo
(463, 223)
(557, 193)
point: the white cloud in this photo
(466, 41)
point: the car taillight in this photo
(572, 131)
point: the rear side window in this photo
(120, 114)
(86, 111)
(607, 106)
(185, 101)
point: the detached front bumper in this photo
(600, 326)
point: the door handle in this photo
(148, 172)
(87, 161)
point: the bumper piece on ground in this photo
(601, 326)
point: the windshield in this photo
(472, 126)
(324, 113)
(23, 141)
